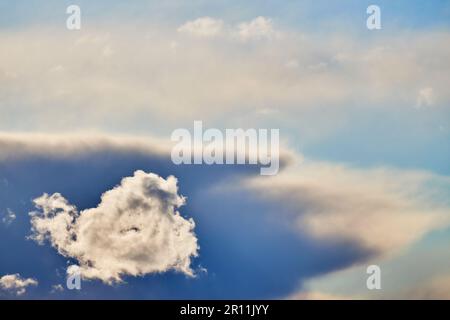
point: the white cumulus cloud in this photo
(135, 230)
(258, 28)
(15, 283)
(202, 27)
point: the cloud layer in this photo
(135, 230)
(278, 69)
(381, 210)
(363, 214)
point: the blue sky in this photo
(310, 15)
(368, 111)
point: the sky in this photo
(86, 177)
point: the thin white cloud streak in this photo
(22, 145)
